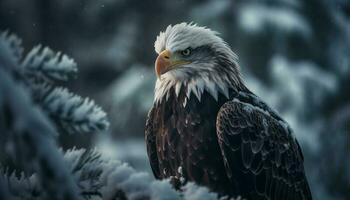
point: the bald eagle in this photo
(207, 127)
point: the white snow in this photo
(82, 114)
(194, 192)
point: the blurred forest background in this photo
(294, 54)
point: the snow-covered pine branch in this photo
(39, 69)
(44, 63)
(19, 186)
(74, 113)
(110, 179)
(28, 136)
(101, 178)
(70, 111)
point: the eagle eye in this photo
(186, 52)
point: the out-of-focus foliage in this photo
(27, 135)
(293, 53)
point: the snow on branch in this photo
(39, 69)
(19, 186)
(27, 132)
(44, 63)
(29, 139)
(73, 112)
(101, 178)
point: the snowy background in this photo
(294, 54)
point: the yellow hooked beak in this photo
(166, 62)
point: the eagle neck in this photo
(195, 87)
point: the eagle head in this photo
(196, 59)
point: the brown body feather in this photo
(238, 147)
(185, 137)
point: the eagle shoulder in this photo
(259, 151)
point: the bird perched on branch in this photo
(205, 125)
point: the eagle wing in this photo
(150, 139)
(261, 156)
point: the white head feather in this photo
(182, 36)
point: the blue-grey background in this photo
(295, 54)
